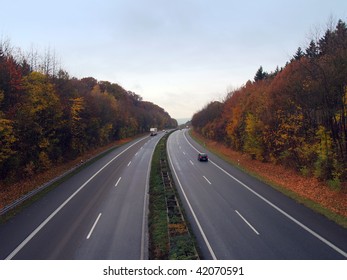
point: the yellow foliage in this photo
(234, 121)
(40, 93)
(253, 138)
(7, 138)
(324, 145)
(76, 107)
(45, 162)
(44, 143)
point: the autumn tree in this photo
(206, 120)
(253, 143)
(48, 117)
(37, 122)
(77, 127)
(7, 140)
(294, 116)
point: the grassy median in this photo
(169, 234)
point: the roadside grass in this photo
(310, 203)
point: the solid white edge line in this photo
(207, 180)
(192, 211)
(247, 222)
(94, 225)
(118, 181)
(328, 243)
(144, 256)
(30, 236)
(144, 239)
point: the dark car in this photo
(202, 157)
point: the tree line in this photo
(295, 116)
(48, 117)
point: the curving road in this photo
(235, 216)
(99, 213)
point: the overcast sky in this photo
(175, 53)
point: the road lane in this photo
(231, 215)
(56, 226)
(121, 233)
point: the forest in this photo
(48, 117)
(294, 116)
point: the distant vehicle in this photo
(153, 131)
(202, 157)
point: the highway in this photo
(99, 213)
(235, 216)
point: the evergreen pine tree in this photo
(260, 74)
(312, 50)
(299, 54)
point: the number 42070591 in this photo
(219, 270)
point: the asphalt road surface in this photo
(99, 213)
(235, 216)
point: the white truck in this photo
(153, 131)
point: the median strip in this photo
(169, 234)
